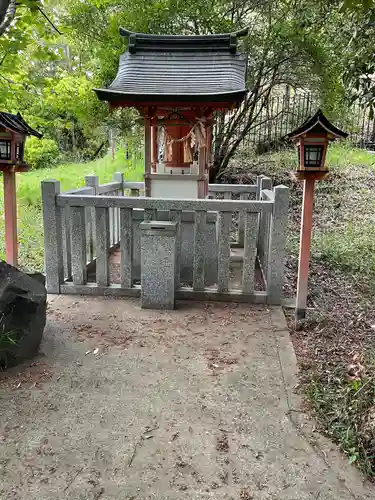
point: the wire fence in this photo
(284, 113)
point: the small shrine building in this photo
(177, 84)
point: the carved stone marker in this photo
(158, 264)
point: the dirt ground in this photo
(196, 403)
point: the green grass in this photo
(346, 412)
(30, 223)
(352, 249)
(344, 231)
(343, 154)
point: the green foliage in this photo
(358, 52)
(351, 248)
(41, 153)
(345, 409)
(8, 339)
(30, 220)
(55, 53)
(49, 67)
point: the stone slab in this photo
(187, 245)
(158, 264)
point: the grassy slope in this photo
(30, 224)
(336, 345)
(344, 233)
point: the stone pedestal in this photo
(187, 246)
(158, 264)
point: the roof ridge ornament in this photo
(239, 34)
(144, 42)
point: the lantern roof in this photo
(15, 123)
(178, 68)
(317, 123)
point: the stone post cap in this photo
(159, 228)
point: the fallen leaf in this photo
(175, 436)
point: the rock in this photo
(23, 305)
(38, 276)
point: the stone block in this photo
(158, 261)
(187, 246)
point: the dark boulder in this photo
(23, 306)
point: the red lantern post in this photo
(13, 132)
(312, 140)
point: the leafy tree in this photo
(284, 47)
(359, 73)
(54, 53)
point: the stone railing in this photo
(217, 192)
(93, 240)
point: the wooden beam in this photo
(147, 140)
(154, 146)
(10, 214)
(304, 249)
(208, 144)
(202, 166)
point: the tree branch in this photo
(49, 20)
(9, 82)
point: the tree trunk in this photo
(7, 13)
(4, 4)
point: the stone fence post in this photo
(53, 248)
(277, 241)
(263, 182)
(158, 264)
(91, 181)
(119, 177)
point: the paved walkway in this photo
(193, 404)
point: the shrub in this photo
(41, 153)
(8, 339)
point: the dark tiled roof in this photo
(17, 124)
(317, 122)
(179, 68)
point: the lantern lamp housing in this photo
(312, 139)
(13, 133)
(5, 148)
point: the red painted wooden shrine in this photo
(178, 84)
